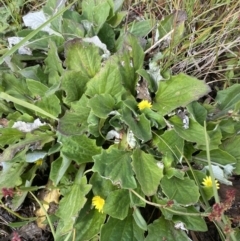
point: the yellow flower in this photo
(207, 182)
(98, 203)
(39, 162)
(144, 104)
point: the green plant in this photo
(110, 130)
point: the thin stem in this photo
(15, 214)
(169, 209)
(47, 216)
(159, 41)
(27, 105)
(215, 163)
(215, 193)
(169, 147)
(217, 200)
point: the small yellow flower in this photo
(98, 203)
(144, 104)
(207, 182)
(39, 162)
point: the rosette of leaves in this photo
(81, 95)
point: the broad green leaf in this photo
(129, 76)
(156, 119)
(121, 230)
(162, 229)
(70, 124)
(73, 83)
(82, 57)
(17, 116)
(37, 140)
(147, 172)
(5, 108)
(27, 179)
(185, 191)
(195, 132)
(170, 142)
(41, 41)
(115, 165)
(140, 221)
(76, 197)
(227, 98)
(215, 137)
(72, 28)
(217, 156)
(139, 125)
(101, 186)
(141, 28)
(15, 87)
(136, 52)
(179, 90)
(197, 111)
(195, 223)
(10, 136)
(15, 168)
(53, 63)
(165, 25)
(107, 81)
(227, 127)
(93, 124)
(117, 204)
(107, 36)
(88, 223)
(33, 156)
(58, 169)
(79, 148)
(96, 12)
(27, 106)
(102, 105)
(54, 149)
(231, 146)
(173, 172)
(74, 122)
(34, 72)
(130, 61)
(117, 18)
(36, 88)
(50, 104)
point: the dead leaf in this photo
(47, 197)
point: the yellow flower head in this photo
(207, 182)
(144, 104)
(39, 162)
(98, 203)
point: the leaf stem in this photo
(215, 193)
(79, 174)
(159, 41)
(47, 216)
(217, 200)
(14, 213)
(169, 209)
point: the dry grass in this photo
(210, 46)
